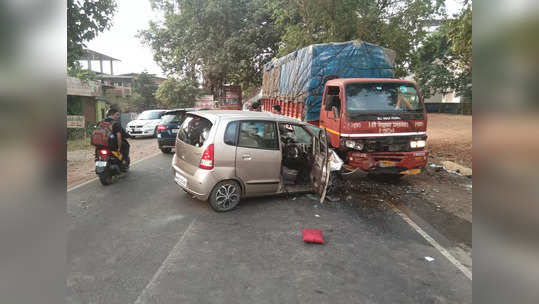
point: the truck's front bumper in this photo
(388, 162)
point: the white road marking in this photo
(151, 283)
(95, 178)
(432, 241)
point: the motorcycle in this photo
(108, 165)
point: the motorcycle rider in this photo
(119, 143)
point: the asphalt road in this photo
(143, 240)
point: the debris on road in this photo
(436, 167)
(312, 197)
(312, 236)
(429, 259)
(315, 206)
(456, 168)
(332, 198)
(316, 215)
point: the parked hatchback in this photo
(167, 129)
(223, 156)
(145, 124)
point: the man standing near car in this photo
(120, 144)
(276, 109)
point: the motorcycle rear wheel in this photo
(105, 179)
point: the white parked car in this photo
(145, 124)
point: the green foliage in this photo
(229, 41)
(174, 93)
(144, 87)
(86, 19)
(444, 61)
(226, 41)
(86, 75)
(129, 103)
(399, 25)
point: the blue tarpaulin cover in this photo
(301, 75)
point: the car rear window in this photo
(194, 130)
(231, 133)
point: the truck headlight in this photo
(417, 144)
(352, 144)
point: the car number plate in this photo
(100, 164)
(386, 163)
(174, 131)
(180, 180)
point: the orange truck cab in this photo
(377, 125)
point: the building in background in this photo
(85, 98)
(205, 102)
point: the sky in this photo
(120, 40)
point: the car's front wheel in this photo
(225, 196)
(165, 150)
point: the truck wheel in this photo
(225, 196)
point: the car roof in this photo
(154, 110)
(245, 115)
(180, 110)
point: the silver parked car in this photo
(223, 156)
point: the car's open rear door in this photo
(320, 171)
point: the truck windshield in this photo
(382, 97)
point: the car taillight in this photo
(103, 152)
(161, 128)
(206, 162)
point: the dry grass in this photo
(450, 137)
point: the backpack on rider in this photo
(102, 134)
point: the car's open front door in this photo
(320, 171)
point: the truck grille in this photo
(388, 144)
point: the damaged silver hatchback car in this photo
(223, 156)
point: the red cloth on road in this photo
(312, 236)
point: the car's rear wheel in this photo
(165, 150)
(225, 196)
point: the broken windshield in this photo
(382, 97)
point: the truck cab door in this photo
(330, 113)
(320, 171)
